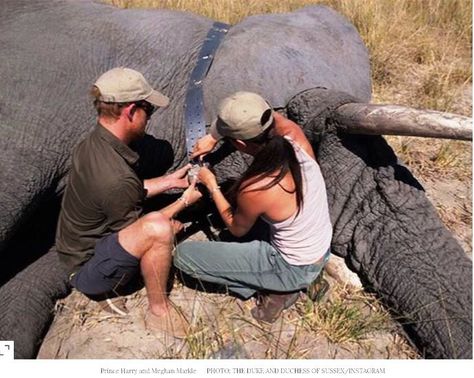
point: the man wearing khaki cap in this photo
(103, 238)
(284, 187)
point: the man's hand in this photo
(189, 196)
(158, 185)
(203, 146)
(179, 179)
(192, 194)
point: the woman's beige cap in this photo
(126, 85)
(240, 117)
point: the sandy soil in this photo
(221, 326)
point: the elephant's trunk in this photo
(388, 231)
(357, 118)
(27, 304)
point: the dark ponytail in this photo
(277, 154)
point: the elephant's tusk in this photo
(359, 118)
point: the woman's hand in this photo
(203, 146)
(179, 179)
(208, 178)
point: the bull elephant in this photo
(310, 63)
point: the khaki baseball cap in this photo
(126, 85)
(241, 116)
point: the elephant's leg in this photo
(390, 234)
(27, 302)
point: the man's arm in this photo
(177, 179)
(189, 196)
(123, 202)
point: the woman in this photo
(285, 188)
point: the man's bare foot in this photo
(173, 323)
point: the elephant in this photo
(310, 64)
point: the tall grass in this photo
(348, 316)
(421, 47)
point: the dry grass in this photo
(347, 316)
(349, 324)
(421, 57)
(420, 50)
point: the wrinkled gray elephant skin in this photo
(390, 234)
(51, 51)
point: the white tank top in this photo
(303, 238)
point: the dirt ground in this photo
(221, 327)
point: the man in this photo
(103, 238)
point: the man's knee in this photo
(157, 227)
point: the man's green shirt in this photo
(103, 195)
